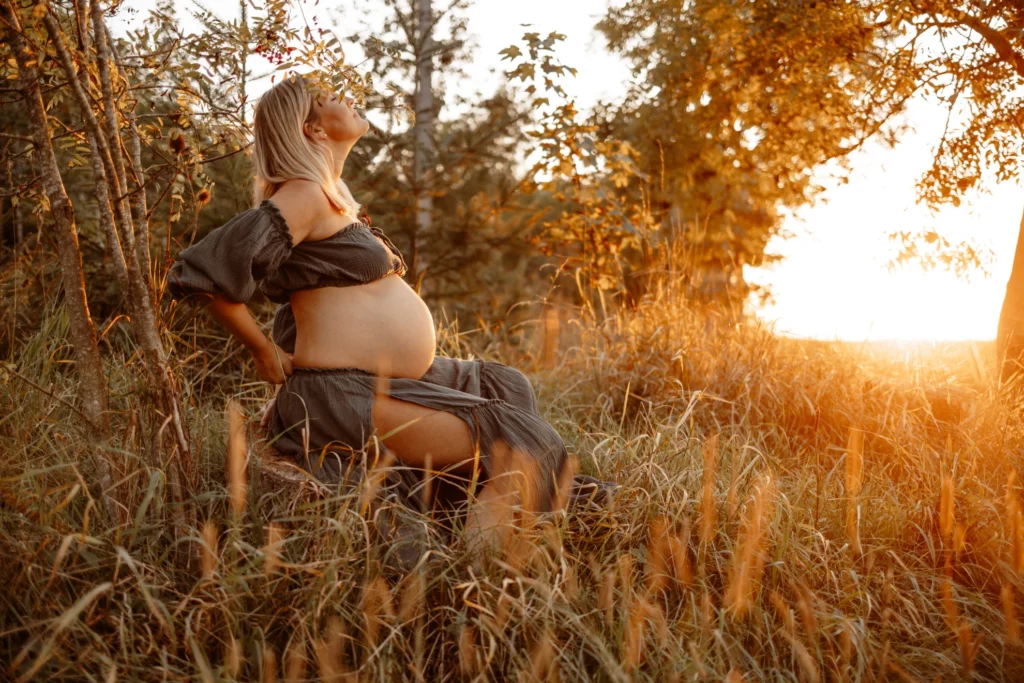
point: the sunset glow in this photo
(834, 282)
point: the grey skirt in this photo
(323, 418)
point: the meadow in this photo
(789, 510)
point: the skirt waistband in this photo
(331, 371)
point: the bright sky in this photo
(834, 282)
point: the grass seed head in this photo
(749, 561)
(376, 606)
(946, 521)
(467, 650)
(708, 509)
(232, 656)
(1010, 614)
(236, 459)
(411, 603)
(295, 662)
(949, 607)
(269, 664)
(657, 556)
(805, 604)
(542, 657)
(854, 474)
(210, 553)
(606, 596)
(633, 637)
(679, 554)
(969, 646)
(329, 653)
(272, 550)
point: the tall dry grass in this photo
(790, 511)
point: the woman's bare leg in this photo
(447, 439)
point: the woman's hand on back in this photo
(273, 364)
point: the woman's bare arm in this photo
(298, 202)
(273, 364)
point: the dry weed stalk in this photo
(707, 617)
(785, 614)
(550, 350)
(854, 471)
(845, 651)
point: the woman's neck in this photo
(339, 153)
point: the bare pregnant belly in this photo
(383, 327)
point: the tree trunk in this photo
(92, 383)
(111, 188)
(97, 152)
(423, 135)
(1010, 335)
(145, 323)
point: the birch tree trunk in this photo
(92, 382)
(1010, 335)
(423, 135)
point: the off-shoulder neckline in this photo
(282, 225)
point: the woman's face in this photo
(338, 120)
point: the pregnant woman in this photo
(353, 344)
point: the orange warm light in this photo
(835, 281)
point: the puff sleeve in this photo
(234, 257)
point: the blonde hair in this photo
(283, 152)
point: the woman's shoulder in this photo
(300, 203)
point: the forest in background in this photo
(788, 509)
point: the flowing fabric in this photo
(324, 420)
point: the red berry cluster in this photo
(271, 48)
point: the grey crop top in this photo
(256, 246)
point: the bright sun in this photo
(835, 282)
